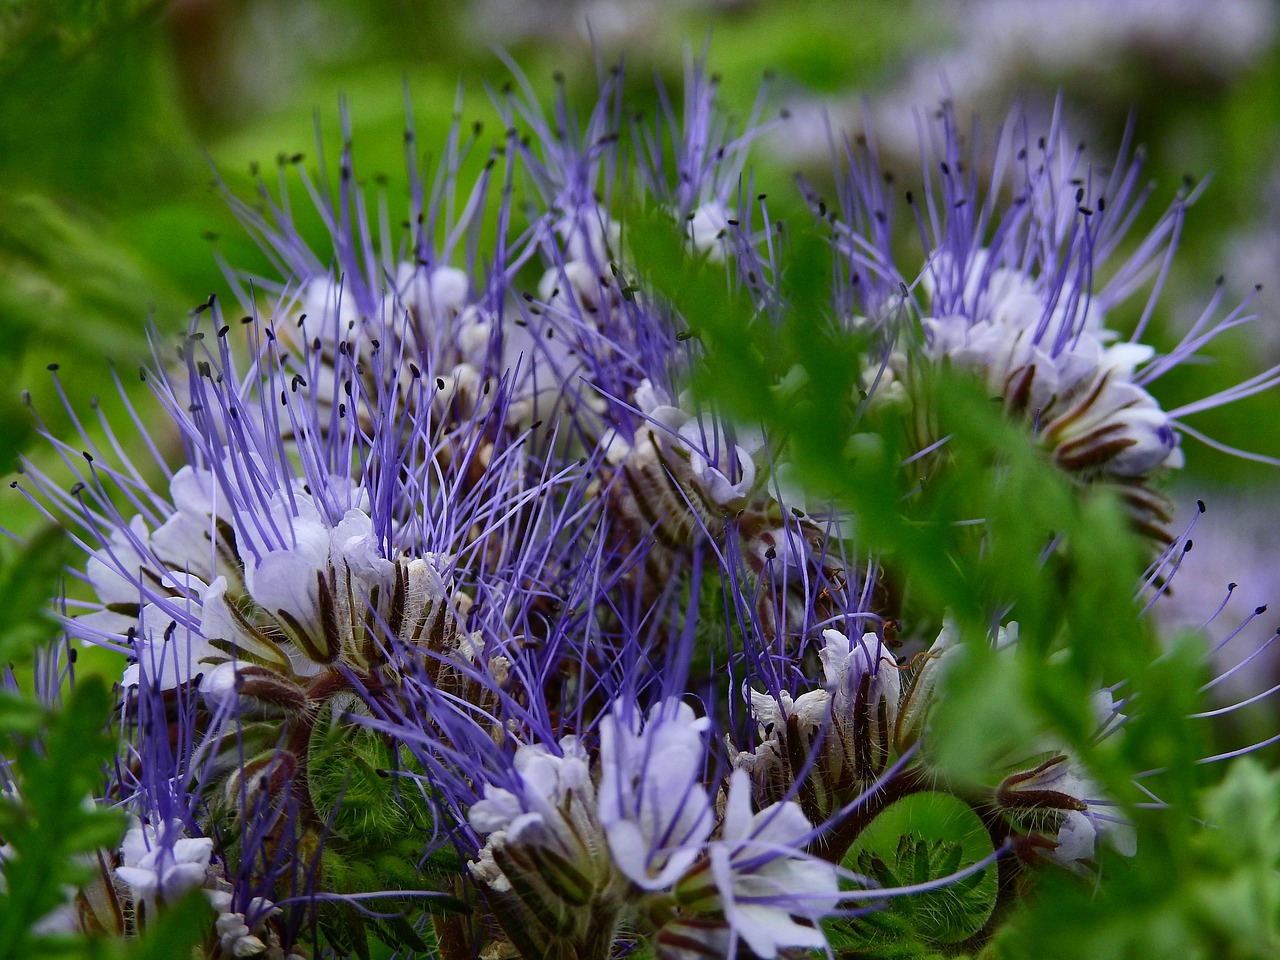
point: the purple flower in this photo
(545, 861)
(655, 811)
(1021, 295)
(442, 593)
(555, 806)
(770, 893)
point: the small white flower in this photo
(845, 663)
(588, 232)
(654, 807)
(434, 295)
(163, 863)
(689, 469)
(236, 937)
(329, 312)
(577, 290)
(169, 653)
(810, 710)
(771, 893)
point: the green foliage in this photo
(919, 839)
(84, 131)
(363, 789)
(967, 535)
(60, 266)
(60, 841)
(350, 774)
(67, 26)
(51, 824)
(379, 826)
(108, 109)
(1236, 893)
(28, 577)
(175, 933)
(1213, 895)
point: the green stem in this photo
(1008, 871)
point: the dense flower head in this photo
(639, 829)
(1022, 295)
(456, 591)
(844, 729)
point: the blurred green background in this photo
(114, 115)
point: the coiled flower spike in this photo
(1020, 294)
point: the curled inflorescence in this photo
(466, 624)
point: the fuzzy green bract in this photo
(924, 837)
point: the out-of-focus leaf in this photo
(101, 122)
(70, 290)
(68, 25)
(51, 821)
(177, 929)
(28, 578)
(1217, 898)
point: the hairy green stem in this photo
(834, 845)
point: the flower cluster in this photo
(441, 631)
(1019, 298)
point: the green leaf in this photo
(51, 821)
(1212, 894)
(919, 839)
(28, 578)
(178, 929)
